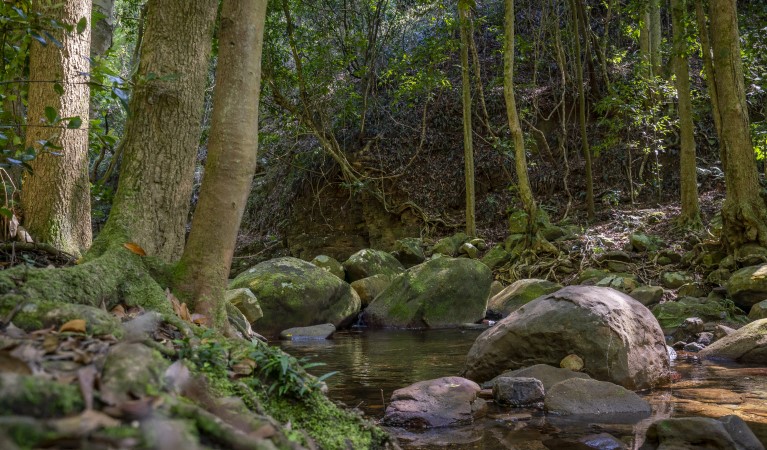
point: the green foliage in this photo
(284, 374)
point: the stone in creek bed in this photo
(517, 391)
(442, 402)
(313, 333)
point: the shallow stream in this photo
(372, 364)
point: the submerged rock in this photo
(746, 345)
(368, 262)
(581, 397)
(682, 433)
(443, 402)
(520, 293)
(440, 293)
(617, 338)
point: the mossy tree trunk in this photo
(207, 258)
(708, 68)
(56, 198)
(520, 158)
(690, 216)
(656, 37)
(468, 148)
(163, 130)
(743, 213)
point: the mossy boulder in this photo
(30, 395)
(496, 257)
(409, 251)
(758, 311)
(641, 242)
(748, 286)
(591, 275)
(647, 295)
(330, 264)
(746, 345)
(246, 302)
(675, 280)
(751, 254)
(519, 294)
(469, 250)
(295, 293)
(369, 288)
(450, 245)
(440, 293)
(368, 262)
(132, 370)
(671, 315)
(97, 321)
(623, 282)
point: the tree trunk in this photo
(101, 35)
(644, 39)
(520, 158)
(743, 212)
(56, 198)
(656, 37)
(690, 216)
(231, 159)
(708, 68)
(468, 150)
(163, 130)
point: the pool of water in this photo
(372, 364)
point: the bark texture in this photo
(163, 131)
(690, 215)
(743, 212)
(101, 31)
(520, 158)
(468, 148)
(56, 198)
(708, 67)
(231, 159)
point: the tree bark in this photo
(101, 35)
(231, 159)
(468, 149)
(520, 158)
(656, 37)
(690, 215)
(163, 130)
(743, 211)
(708, 68)
(56, 198)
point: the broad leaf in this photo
(81, 25)
(50, 114)
(74, 122)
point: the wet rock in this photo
(647, 295)
(368, 262)
(625, 344)
(330, 264)
(369, 288)
(315, 332)
(675, 280)
(620, 282)
(131, 370)
(748, 286)
(548, 375)
(246, 302)
(672, 356)
(520, 293)
(469, 250)
(409, 251)
(643, 243)
(580, 397)
(572, 362)
(758, 311)
(440, 293)
(517, 391)
(443, 402)
(449, 245)
(602, 441)
(693, 347)
(725, 433)
(746, 345)
(496, 257)
(294, 293)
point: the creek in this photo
(371, 364)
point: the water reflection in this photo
(372, 364)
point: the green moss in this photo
(38, 397)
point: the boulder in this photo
(518, 391)
(591, 276)
(693, 290)
(682, 433)
(496, 257)
(647, 295)
(641, 242)
(368, 262)
(572, 362)
(582, 397)
(449, 245)
(443, 402)
(520, 293)
(619, 281)
(617, 338)
(748, 286)
(758, 311)
(312, 333)
(246, 302)
(671, 315)
(369, 288)
(719, 277)
(409, 251)
(295, 293)
(131, 370)
(751, 254)
(469, 250)
(690, 328)
(330, 264)
(548, 375)
(440, 293)
(675, 280)
(746, 345)
(495, 287)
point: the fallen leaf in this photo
(135, 248)
(73, 326)
(180, 308)
(199, 319)
(50, 343)
(118, 311)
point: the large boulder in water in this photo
(440, 293)
(745, 345)
(368, 262)
(618, 339)
(444, 402)
(295, 293)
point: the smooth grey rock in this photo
(369, 288)
(315, 332)
(581, 397)
(548, 375)
(745, 345)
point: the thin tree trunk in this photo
(468, 149)
(478, 81)
(708, 69)
(520, 159)
(231, 158)
(656, 37)
(166, 111)
(743, 211)
(644, 39)
(690, 215)
(56, 197)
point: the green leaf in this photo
(74, 123)
(50, 114)
(58, 88)
(81, 25)
(7, 213)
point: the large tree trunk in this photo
(743, 212)
(520, 158)
(56, 198)
(468, 148)
(690, 215)
(708, 68)
(163, 131)
(231, 159)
